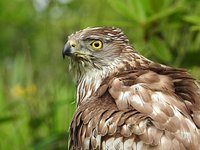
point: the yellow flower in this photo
(17, 91)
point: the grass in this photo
(36, 105)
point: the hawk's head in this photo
(96, 47)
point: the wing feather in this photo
(154, 108)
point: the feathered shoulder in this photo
(156, 105)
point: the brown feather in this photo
(132, 102)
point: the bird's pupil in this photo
(96, 44)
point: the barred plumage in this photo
(125, 101)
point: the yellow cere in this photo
(97, 44)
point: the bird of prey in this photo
(126, 101)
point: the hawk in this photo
(126, 101)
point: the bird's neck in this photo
(89, 81)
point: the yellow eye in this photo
(97, 44)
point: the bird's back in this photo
(153, 107)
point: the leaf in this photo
(160, 49)
(165, 12)
(148, 9)
(194, 19)
(156, 5)
(195, 28)
(122, 8)
(7, 119)
(138, 10)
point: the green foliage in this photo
(37, 93)
(195, 20)
(161, 27)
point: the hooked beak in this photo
(67, 50)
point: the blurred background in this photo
(37, 93)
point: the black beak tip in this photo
(66, 50)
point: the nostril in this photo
(73, 45)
